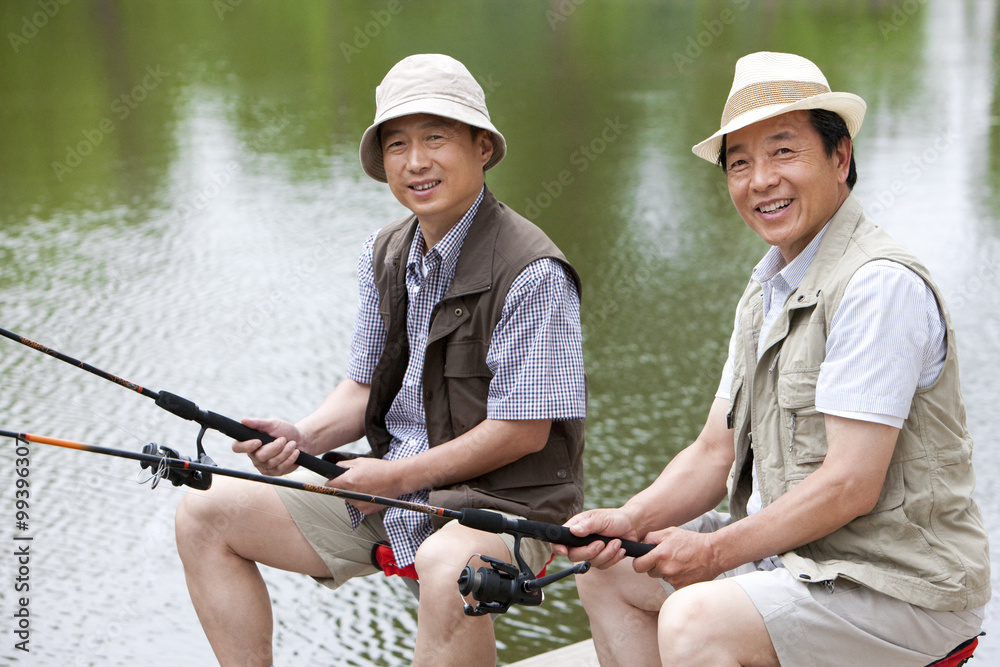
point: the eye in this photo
(737, 164)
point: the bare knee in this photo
(713, 622)
(682, 624)
(203, 519)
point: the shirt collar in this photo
(446, 251)
(773, 263)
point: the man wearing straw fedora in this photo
(466, 377)
(838, 433)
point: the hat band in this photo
(766, 93)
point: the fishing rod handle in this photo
(187, 409)
(494, 522)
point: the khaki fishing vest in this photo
(924, 542)
(543, 486)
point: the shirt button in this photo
(458, 312)
(561, 474)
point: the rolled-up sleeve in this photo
(368, 338)
(536, 353)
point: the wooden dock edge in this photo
(581, 654)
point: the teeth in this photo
(425, 186)
(775, 206)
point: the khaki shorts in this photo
(844, 623)
(326, 525)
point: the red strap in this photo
(959, 655)
(385, 560)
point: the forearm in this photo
(689, 486)
(490, 445)
(846, 486)
(339, 420)
(694, 481)
(812, 509)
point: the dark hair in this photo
(831, 128)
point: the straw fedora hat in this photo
(770, 84)
(427, 83)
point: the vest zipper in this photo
(791, 433)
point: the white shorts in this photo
(842, 622)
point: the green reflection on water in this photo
(599, 101)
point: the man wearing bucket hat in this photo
(838, 433)
(466, 377)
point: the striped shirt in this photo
(535, 355)
(887, 339)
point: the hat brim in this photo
(848, 106)
(371, 153)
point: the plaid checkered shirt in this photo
(535, 355)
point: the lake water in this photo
(181, 204)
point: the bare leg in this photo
(445, 635)
(714, 623)
(221, 536)
(622, 606)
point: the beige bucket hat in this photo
(770, 84)
(427, 83)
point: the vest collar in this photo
(474, 270)
(831, 249)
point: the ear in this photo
(843, 157)
(485, 144)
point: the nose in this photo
(763, 175)
(417, 158)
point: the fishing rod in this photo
(186, 409)
(496, 587)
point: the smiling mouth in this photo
(775, 206)
(424, 186)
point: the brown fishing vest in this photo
(544, 486)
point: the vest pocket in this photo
(803, 429)
(467, 381)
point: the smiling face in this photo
(434, 167)
(782, 182)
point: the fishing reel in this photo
(172, 466)
(501, 585)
